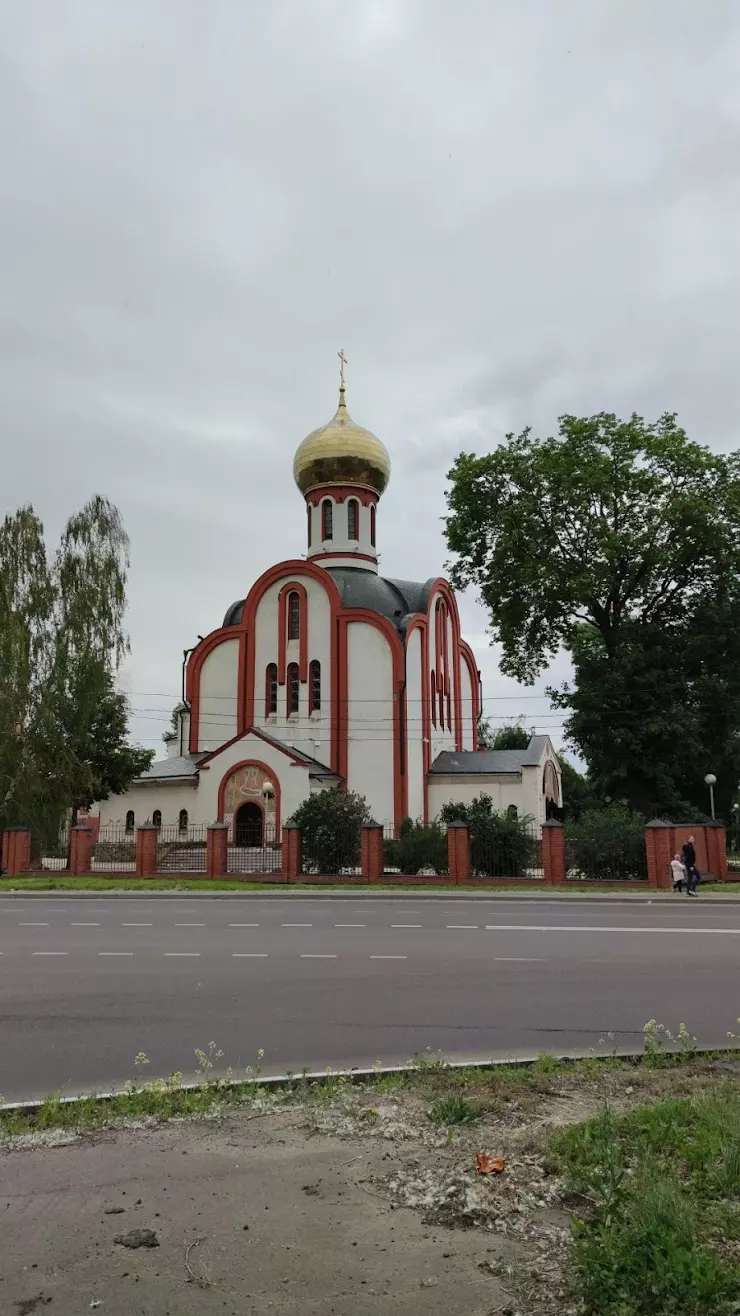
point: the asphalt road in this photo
(86, 985)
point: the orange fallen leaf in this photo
(486, 1164)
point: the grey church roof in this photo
(451, 763)
(167, 769)
(394, 599)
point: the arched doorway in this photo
(248, 824)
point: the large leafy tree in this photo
(619, 541)
(62, 723)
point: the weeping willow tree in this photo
(63, 723)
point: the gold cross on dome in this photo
(342, 364)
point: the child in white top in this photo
(678, 873)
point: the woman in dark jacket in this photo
(688, 855)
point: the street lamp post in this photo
(710, 781)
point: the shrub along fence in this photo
(489, 851)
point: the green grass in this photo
(663, 1183)
(62, 882)
(453, 1109)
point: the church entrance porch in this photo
(248, 825)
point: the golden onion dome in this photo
(341, 453)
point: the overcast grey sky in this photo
(502, 209)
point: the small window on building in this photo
(353, 519)
(130, 820)
(293, 688)
(433, 686)
(309, 510)
(157, 817)
(512, 812)
(449, 710)
(441, 708)
(271, 689)
(314, 689)
(183, 820)
(327, 519)
(372, 525)
(294, 615)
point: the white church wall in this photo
(463, 790)
(292, 778)
(312, 734)
(145, 799)
(414, 726)
(218, 687)
(533, 801)
(466, 695)
(370, 718)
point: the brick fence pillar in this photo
(291, 856)
(217, 849)
(81, 846)
(371, 851)
(458, 852)
(16, 851)
(716, 839)
(658, 841)
(553, 852)
(147, 836)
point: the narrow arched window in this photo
(372, 525)
(271, 688)
(441, 707)
(130, 820)
(183, 820)
(449, 711)
(327, 519)
(293, 688)
(294, 615)
(353, 519)
(314, 688)
(157, 817)
(433, 685)
(309, 510)
(512, 812)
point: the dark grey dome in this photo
(395, 599)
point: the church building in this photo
(327, 675)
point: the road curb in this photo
(653, 897)
(360, 1075)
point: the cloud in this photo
(502, 212)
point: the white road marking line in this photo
(189, 925)
(84, 925)
(242, 925)
(49, 952)
(405, 925)
(249, 955)
(579, 927)
(517, 959)
(466, 926)
(137, 925)
(115, 952)
(296, 925)
(33, 925)
(389, 957)
(319, 957)
(181, 954)
(350, 925)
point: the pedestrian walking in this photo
(688, 855)
(678, 873)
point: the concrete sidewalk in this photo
(251, 1216)
(651, 895)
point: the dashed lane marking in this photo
(243, 925)
(350, 925)
(33, 925)
(405, 925)
(249, 955)
(189, 925)
(389, 957)
(181, 954)
(319, 957)
(84, 925)
(459, 927)
(137, 925)
(115, 952)
(49, 952)
(296, 925)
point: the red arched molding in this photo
(400, 782)
(340, 493)
(288, 570)
(442, 587)
(193, 675)
(345, 553)
(419, 622)
(292, 587)
(468, 658)
(250, 763)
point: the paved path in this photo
(85, 985)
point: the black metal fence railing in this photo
(258, 850)
(508, 847)
(415, 849)
(181, 849)
(605, 858)
(50, 849)
(114, 850)
(335, 853)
